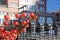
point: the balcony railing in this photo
(3, 6)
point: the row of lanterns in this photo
(17, 15)
(24, 15)
(12, 34)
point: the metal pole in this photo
(23, 36)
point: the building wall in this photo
(33, 5)
(56, 17)
(11, 9)
(45, 18)
(29, 3)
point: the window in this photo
(15, 5)
(41, 9)
(23, 2)
(31, 8)
(31, 2)
(49, 20)
(57, 17)
(1, 21)
(12, 15)
(41, 2)
(2, 14)
(41, 20)
(3, 2)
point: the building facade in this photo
(8, 7)
(56, 20)
(39, 7)
(11, 7)
(33, 5)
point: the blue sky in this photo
(53, 5)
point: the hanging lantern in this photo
(6, 37)
(5, 23)
(3, 34)
(17, 15)
(11, 38)
(14, 35)
(27, 26)
(23, 22)
(35, 17)
(28, 21)
(15, 23)
(7, 32)
(6, 17)
(1, 29)
(14, 31)
(24, 15)
(22, 30)
(31, 14)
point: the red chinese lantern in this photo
(3, 34)
(14, 31)
(15, 23)
(31, 14)
(6, 17)
(28, 21)
(14, 35)
(24, 23)
(5, 23)
(6, 37)
(7, 32)
(11, 38)
(17, 15)
(27, 26)
(35, 17)
(23, 30)
(1, 29)
(24, 15)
